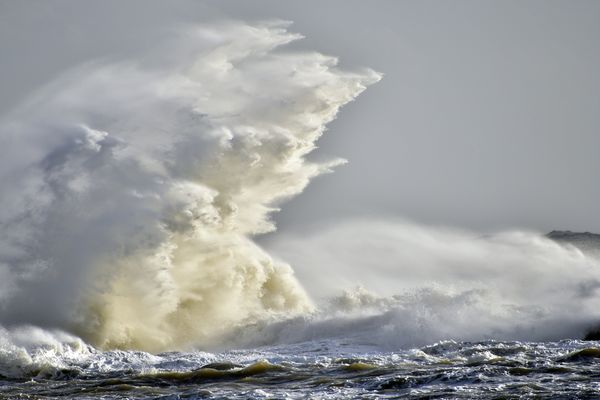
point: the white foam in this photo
(421, 284)
(131, 190)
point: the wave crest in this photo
(135, 187)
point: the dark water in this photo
(316, 370)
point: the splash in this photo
(400, 284)
(131, 190)
(131, 193)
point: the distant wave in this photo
(400, 284)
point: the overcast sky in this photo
(487, 116)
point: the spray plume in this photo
(131, 190)
(402, 284)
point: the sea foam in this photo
(131, 190)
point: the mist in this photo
(135, 187)
(411, 284)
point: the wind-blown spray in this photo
(131, 191)
(399, 284)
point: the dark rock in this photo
(587, 242)
(594, 334)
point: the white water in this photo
(402, 284)
(131, 192)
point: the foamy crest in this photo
(396, 283)
(131, 190)
(32, 351)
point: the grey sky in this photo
(487, 116)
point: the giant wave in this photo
(132, 192)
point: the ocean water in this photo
(133, 192)
(432, 343)
(317, 369)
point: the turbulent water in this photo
(325, 368)
(354, 345)
(132, 193)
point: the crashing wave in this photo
(132, 190)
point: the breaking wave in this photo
(400, 284)
(131, 190)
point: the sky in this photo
(486, 118)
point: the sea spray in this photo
(131, 190)
(399, 284)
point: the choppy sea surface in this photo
(132, 194)
(360, 346)
(323, 369)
